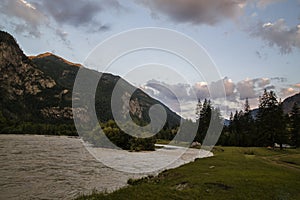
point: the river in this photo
(58, 167)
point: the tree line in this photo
(269, 126)
(10, 126)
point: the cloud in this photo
(201, 90)
(196, 11)
(286, 92)
(186, 92)
(262, 82)
(279, 79)
(182, 97)
(229, 86)
(265, 3)
(278, 34)
(62, 34)
(246, 89)
(217, 88)
(29, 17)
(261, 55)
(24, 17)
(249, 88)
(75, 13)
(271, 87)
(177, 91)
(297, 85)
(78, 13)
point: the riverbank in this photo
(232, 173)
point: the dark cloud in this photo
(196, 11)
(104, 28)
(279, 79)
(75, 13)
(62, 34)
(23, 16)
(258, 54)
(271, 87)
(262, 82)
(29, 16)
(278, 34)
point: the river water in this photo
(58, 167)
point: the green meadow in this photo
(233, 173)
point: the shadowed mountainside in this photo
(39, 89)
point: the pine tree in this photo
(246, 106)
(247, 125)
(198, 109)
(270, 120)
(295, 125)
(231, 117)
(204, 120)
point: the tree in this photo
(246, 106)
(3, 122)
(198, 109)
(236, 128)
(204, 120)
(295, 125)
(270, 121)
(247, 124)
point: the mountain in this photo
(288, 103)
(26, 92)
(39, 89)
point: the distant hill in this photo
(288, 103)
(39, 88)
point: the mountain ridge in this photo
(48, 54)
(44, 90)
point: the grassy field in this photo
(233, 173)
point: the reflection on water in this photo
(43, 167)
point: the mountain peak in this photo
(54, 57)
(288, 103)
(46, 54)
(7, 38)
(10, 50)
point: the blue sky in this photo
(254, 44)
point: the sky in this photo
(254, 44)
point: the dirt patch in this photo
(181, 186)
(218, 186)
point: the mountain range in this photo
(39, 88)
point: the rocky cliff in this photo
(39, 88)
(24, 88)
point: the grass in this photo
(291, 159)
(233, 173)
(160, 141)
